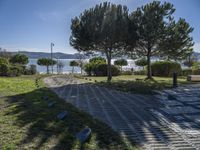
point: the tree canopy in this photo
(141, 62)
(102, 28)
(159, 34)
(73, 64)
(19, 59)
(149, 31)
(46, 62)
(121, 62)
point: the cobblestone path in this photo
(169, 120)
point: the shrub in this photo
(4, 69)
(3, 61)
(196, 72)
(19, 59)
(15, 71)
(141, 62)
(88, 68)
(186, 72)
(140, 72)
(128, 72)
(101, 70)
(196, 66)
(33, 69)
(165, 68)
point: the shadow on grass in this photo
(125, 109)
(44, 131)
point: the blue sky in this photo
(32, 24)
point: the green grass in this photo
(26, 122)
(135, 83)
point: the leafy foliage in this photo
(159, 34)
(73, 64)
(19, 59)
(121, 62)
(165, 68)
(190, 60)
(91, 67)
(3, 60)
(4, 68)
(97, 59)
(46, 62)
(102, 28)
(141, 62)
(186, 72)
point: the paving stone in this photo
(131, 115)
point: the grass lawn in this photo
(26, 122)
(135, 83)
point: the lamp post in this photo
(52, 44)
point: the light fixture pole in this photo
(52, 57)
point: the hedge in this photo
(165, 68)
(186, 72)
(101, 70)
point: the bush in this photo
(4, 69)
(140, 72)
(165, 68)
(196, 72)
(88, 68)
(3, 61)
(186, 72)
(33, 69)
(30, 70)
(15, 71)
(101, 70)
(128, 72)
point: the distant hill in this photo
(36, 55)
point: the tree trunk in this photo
(109, 72)
(149, 72)
(47, 69)
(73, 69)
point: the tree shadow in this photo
(136, 116)
(44, 131)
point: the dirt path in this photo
(170, 120)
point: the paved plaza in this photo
(168, 120)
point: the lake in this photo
(68, 69)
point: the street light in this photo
(52, 44)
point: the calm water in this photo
(68, 69)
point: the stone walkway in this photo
(169, 120)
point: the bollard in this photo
(175, 80)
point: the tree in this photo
(190, 60)
(121, 62)
(46, 62)
(141, 62)
(19, 59)
(103, 28)
(73, 64)
(158, 33)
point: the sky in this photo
(31, 25)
